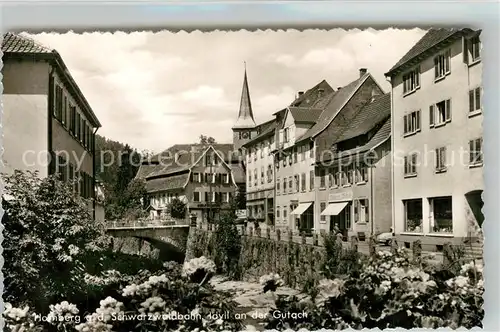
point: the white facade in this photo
(433, 119)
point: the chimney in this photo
(320, 92)
(301, 93)
(362, 71)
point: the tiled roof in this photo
(167, 183)
(187, 155)
(367, 117)
(267, 129)
(305, 115)
(430, 39)
(383, 134)
(312, 96)
(331, 110)
(16, 43)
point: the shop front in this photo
(339, 209)
(304, 217)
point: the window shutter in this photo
(465, 50)
(356, 210)
(417, 116)
(436, 72)
(448, 110)
(431, 115)
(471, 101)
(367, 210)
(471, 152)
(443, 156)
(405, 124)
(478, 98)
(438, 157)
(447, 57)
(406, 165)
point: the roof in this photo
(368, 117)
(432, 38)
(245, 115)
(167, 183)
(20, 46)
(382, 135)
(187, 154)
(313, 97)
(267, 129)
(336, 103)
(305, 115)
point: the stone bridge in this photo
(169, 238)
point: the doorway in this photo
(342, 221)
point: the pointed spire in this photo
(245, 115)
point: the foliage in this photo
(391, 291)
(339, 261)
(49, 234)
(207, 140)
(162, 302)
(228, 246)
(177, 208)
(271, 282)
(199, 270)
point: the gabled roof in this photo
(22, 47)
(167, 183)
(382, 135)
(187, 154)
(305, 115)
(431, 39)
(313, 96)
(373, 113)
(339, 99)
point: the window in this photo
(331, 178)
(225, 178)
(322, 207)
(411, 165)
(256, 181)
(440, 159)
(61, 168)
(311, 150)
(411, 122)
(301, 153)
(269, 173)
(361, 211)
(77, 127)
(289, 159)
(286, 135)
(278, 210)
(472, 50)
(413, 215)
(364, 173)
(338, 176)
(441, 215)
(297, 183)
(58, 102)
(411, 81)
(224, 197)
(475, 100)
(440, 113)
(322, 178)
(64, 111)
(284, 185)
(311, 180)
(347, 215)
(254, 153)
(284, 161)
(72, 119)
(442, 64)
(290, 184)
(82, 121)
(284, 212)
(295, 155)
(262, 150)
(349, 171)
(476, 152)
(249, 180)
(278, 185)
(303, 181)
(262, 175)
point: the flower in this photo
(61, 311)
(195, 264)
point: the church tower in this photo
(245, 128)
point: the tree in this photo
(49, 234)
(177, 208)
(207, 140)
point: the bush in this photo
(228, 245)
(393, 292)
(339, 261)
(177, 209)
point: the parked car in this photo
(384, 238)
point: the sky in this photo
(155, 89)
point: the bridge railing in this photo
(146, 223)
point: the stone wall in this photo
(135, 246)
(296, 263)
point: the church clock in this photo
(245, 134)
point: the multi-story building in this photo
(48, 125)
(353, 190)
(437, 139)
(205, 177)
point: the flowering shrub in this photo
(199, 269)
(271, 282)
(393, 292)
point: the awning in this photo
(334, 209)
(301, 208)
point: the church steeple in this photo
(245, 115)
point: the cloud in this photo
(152, 90)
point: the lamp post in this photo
(370, 162)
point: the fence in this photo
(367, 247)
(147, 223)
